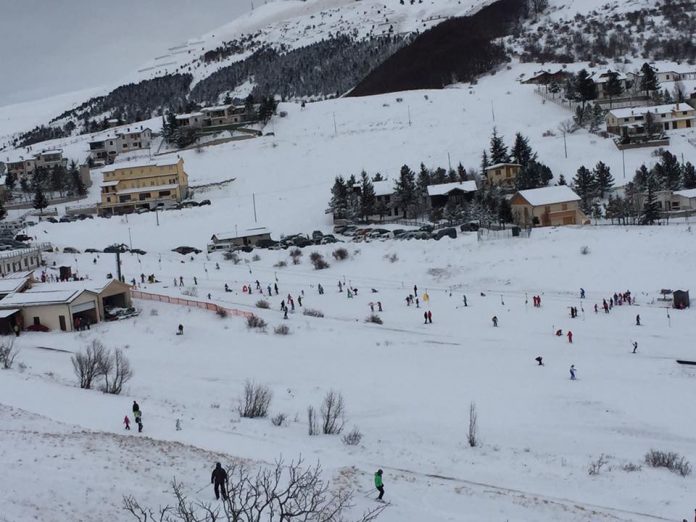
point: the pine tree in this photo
(648, 80)
(651, 209)
(669, 172)
(596, 117)
(10, 181)
(24, 185)
(521, 151)
(499, 152)
(453, 211)
(3, 211)
(613, 87)
(640, 179)
(461, 172)
(368, 199)
(40, 201)
(584, 184)
(689, 176)
(562, 180)
(57, 180)
(169, 127)
(484, 163)
(585, 88)
(78, 184)
(377, 177)
(423, 180)
(603, 178)
(452, 176)
(505, 211)
(439, 176)
(405, 191)
(339, 198)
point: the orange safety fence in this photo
(147, 296)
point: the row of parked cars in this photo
(359, 234)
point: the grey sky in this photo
(49, 47)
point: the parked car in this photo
(204, 202)
(190, 203)
(51, 220)
(70, 250)
(22, 237)
(92, 251)
(112, 249)
(449, 232)
(143, 210)
(469, 227)
(138, 251)
(267, 243)
(65, 219)
(185, 250)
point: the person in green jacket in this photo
(379, 484)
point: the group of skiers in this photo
(137, 415)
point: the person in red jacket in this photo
(126, 421)
(570, 336)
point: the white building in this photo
(246, 237)
(631, 121)
(105, 149)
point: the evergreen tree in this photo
(439, 176)
(10, 181)
(339, 198)
(521, 151)
(249, 104)
(57, 179)
(640, 178)
(77, 183)
(461, 172)
(452, 211)
(603, 178)
(169, 127)
(3, 211)
(452, 176)
(505, 211)
(648, 80)
(499, 152)
(651, 126)
(40, 201)
(24, 184)
(581, 115)
(562, 180)
(596, 117)
(368, 200)
(613, 87)
(651, 210)
(484, 163)
(377, 177)
(584, 184)
(585, 88)
(689, 176)
(405, 191)
(423, 180)
(668, 172)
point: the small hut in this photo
(680, 299)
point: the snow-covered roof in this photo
(138, 164)
(217, 108)
(498, 165)
(226, 236)
(688, 193)
(110, 183)
(549, 195)
(11, 285)
(96, 286)
(147, 189)
(40, 298)
(8, 312)
(446, 188)
(656, 109)
(603, 76)
(46, 152)
(123, 132)
(187, 116)
(19, 275)
(383, 188)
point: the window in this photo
(37, 321)
(143, 196)
(164, 193)
(124, 199)
(564, 206)
(508, 174)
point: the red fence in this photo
(137, 294)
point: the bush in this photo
(373, 318)
(231, 256)
(191, 291)
(630, 467)
(256, 257)
(296, 254)
(312, 423)
(596, 466)
(472, 436)
(352, 438)
(670, 460)
(256, 400)
(221, 312)
(318, 261)
(8, 352)
(280, 264)
(154, 312)
(281, 329)
(333, 412)
(90, 364)
(262, 303)
(584, 250)
(117, 371)
(254, 321)
(312, 312)
(392, 258)
(279, 420)
(340, 254)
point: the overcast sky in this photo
(50, 47)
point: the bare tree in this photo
(255, 401)
(117, 371)
(90, 364)
(472, 436)
(333, 412)
(312, 423)
(279, 493)
(8, 352)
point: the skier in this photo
(379, 306)
(195, 280)
(219, 479)
(582, 293)
(181, 281)
(136, 408)
(178, 424)
(638, 320)
(372, 307)
(275, 287)
(540, 361)
(495, 321)
(570, 337)
(425, 316)
(415, 290)
(379, 484)
(299, 300)
(285, 315)
(209, 297)
(464, 297)
(320, 289)
(227, 287)
(181, 330)
(139, 420)
(572, 372)
(635, 346)
(430, 317)
(417, 303)
(16, 329)
(269, 290)
(340, 287)
(126, 421)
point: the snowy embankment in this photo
(407, 385)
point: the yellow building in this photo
(129, 187)
(547, 206)
(502, 174)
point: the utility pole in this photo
(130, 239)
(409, 115)
(493, 111)
(157, 215)
(335, 127)
(118, 264)
(253, 198)
(623, 161)
(565, 145)
(449, 161)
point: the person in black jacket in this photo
(219, 479)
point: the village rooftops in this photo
(187, 116)
(39, 298)
(139, 164)
(549, 195)
(603, 76)
(383, 188)
(7, 286)
(217, 108)
(657, 109)
(227, 236)
(688, 193)
(499, 165)
(446, 188)
(95, 286)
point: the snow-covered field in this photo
(407, 385)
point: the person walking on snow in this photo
(495, 321)
(379, 484)
(425, 316)
(638, 320)
(219, 480)
(635, 346)
(572, 372)
(570, 337)
(430, 317)
(139, 420)
(136, 408)
(126, 421)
